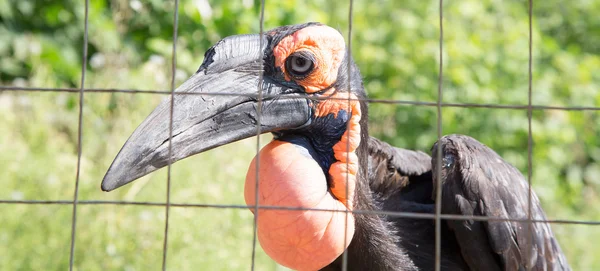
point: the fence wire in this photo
(266, 96)
(438, 173)
(258, 118)
(172, 104)
(529, 132)
(79, 137)
(437, 216)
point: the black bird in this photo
(322, 157)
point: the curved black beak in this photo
(206, 115)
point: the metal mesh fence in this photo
(439, 105)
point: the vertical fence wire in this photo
(530, 135)
(438, 171)
(170, 146)
(349, 110)
(258, 132)
(79, 136)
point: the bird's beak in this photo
(216, 106)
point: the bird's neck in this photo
(375, 242)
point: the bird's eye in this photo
(300, 64)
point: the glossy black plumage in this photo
(475, 182)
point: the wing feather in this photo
(392, 169)
(476, 181)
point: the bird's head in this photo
(309, 104)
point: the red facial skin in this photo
(298, 239)
(325, 44)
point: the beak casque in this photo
(216, 106)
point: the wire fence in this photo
(168, 204)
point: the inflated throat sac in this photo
(290, 177)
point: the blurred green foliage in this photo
(396, 45)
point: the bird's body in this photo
(323, 157)
(475, 182)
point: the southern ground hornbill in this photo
(323, 158)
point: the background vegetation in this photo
(396, 46)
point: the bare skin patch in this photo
(343, 172)
(298, 239)
(325, 44)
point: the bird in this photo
(299, 83)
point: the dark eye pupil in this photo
(300, 61)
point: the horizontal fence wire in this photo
(269, 207)
(263, 98)
(267, 96)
